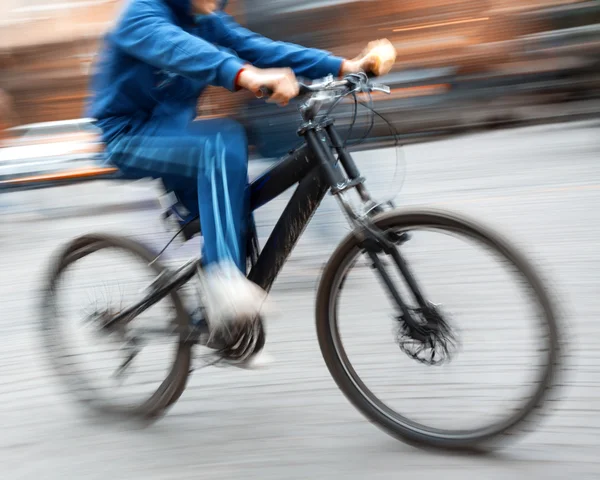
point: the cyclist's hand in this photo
(281, 81)
(377, 58)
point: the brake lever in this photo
(373, 87)
(378, 87)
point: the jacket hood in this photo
(184, 7)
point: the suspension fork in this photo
(407, 274)
(385, 245)
(374, 241)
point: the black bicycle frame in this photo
(315, 169)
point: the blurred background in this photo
(497, 103)
(462, 64)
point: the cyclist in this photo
(155, 63)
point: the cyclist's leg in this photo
(224, 218)
(213, 154)
(186, 161)
(223, 191)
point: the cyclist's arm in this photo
(263, 52)
(147, 32)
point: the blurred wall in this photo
(47, 46)
(47, 54)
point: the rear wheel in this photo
(437, 398)
(94, 278)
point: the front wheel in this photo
(507, 353)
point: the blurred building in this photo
(47, 46)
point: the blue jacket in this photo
(159, 58)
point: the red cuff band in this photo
(237, 77)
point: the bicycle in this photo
(422, 330)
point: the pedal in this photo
(177, 218)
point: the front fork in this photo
(373, 241)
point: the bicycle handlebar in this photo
(359, 82)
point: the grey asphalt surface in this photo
(540, 186)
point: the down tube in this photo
(294, 219)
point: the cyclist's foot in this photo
(232, 300)
(254, 361)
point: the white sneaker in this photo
(231, 297)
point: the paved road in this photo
(539, 185)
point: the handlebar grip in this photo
(266, 92)
(384, 57)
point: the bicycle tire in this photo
(171, 387)
(328, 335)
